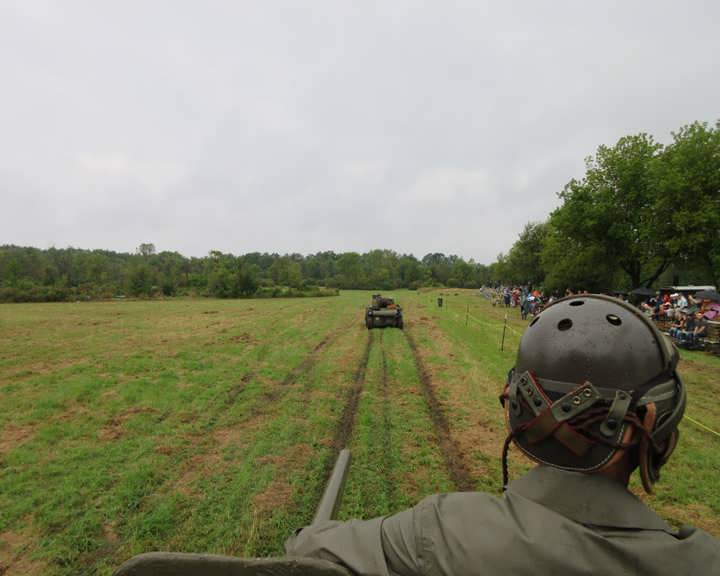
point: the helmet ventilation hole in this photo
(613, 319)
(565, 324)
(577, 302)
(534, 320)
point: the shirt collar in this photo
(590, 499)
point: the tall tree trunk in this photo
(655, 275)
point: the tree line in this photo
(644, 214)
(32, 275)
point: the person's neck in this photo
(620, 471)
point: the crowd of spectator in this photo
(682, 316)
(529, 301)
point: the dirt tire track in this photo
(346, 422)
(455, 462)
(264, 406)
(281, 388)
(311, 358)
(304, 366)
(234, 392)
(345, 425)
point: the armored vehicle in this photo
(383, 312)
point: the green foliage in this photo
(689, 201)
(524, 261)
(32, 275)
(640, 210)
(140, 281)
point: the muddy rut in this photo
(455, 461)
(345, 425)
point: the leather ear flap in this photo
(651, 460)
(649, 470)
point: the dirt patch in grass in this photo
(244, 338)
(209, 459)
(481, 437)
(279, 493)
(455, 461)
(12, 436)
(163, 449)
(42, 368)
(16, 554)
(115, 428)
(72, 413)
(196, 467)
(697, 515)
(109, 395)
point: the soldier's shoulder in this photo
(459, 498)
(461, 503)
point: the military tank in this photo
(383, 312)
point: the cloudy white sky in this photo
(298, 126)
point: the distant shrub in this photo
(288, 292)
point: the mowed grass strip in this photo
(396, 460)
(468, 360)
(97, 456)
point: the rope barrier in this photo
(701, 425)
(511, 328)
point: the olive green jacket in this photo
(548, 522)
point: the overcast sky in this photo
(300, 126)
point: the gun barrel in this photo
(333, 491)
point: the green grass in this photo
(395, 459)
(208, 425)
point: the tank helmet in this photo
(593, 376)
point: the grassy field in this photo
(211, 426)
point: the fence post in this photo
(502, 344)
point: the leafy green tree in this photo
(350, 267)
(524, 265)
(146, 249)
(688, 205)
(286, 272)
(611, 213)
(140, 281)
